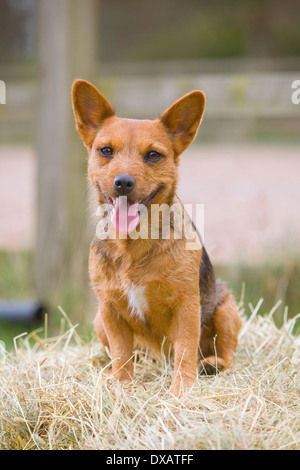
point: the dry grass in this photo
(54, 396)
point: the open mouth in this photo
(126, 214)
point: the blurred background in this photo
(244, 165)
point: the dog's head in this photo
(134, 158)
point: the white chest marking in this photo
(137, 301)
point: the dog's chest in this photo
(137, 301)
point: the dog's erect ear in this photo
(90, 109)
(183, 118)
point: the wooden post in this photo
(67, 46)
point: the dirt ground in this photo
(251, 196)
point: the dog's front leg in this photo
(186, 343)
(111, 326)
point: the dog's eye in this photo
(153, 156)
(106, 152)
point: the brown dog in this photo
(152, 290)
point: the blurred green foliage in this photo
(17, 283)
(197, 29)
(168, 29)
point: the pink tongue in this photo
(125, 216)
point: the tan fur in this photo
(219, 337)
(160, 276)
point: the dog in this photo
(152, 291)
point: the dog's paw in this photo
(212, 365)
(179, 386)
(121, 376)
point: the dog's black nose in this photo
(124, 184)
